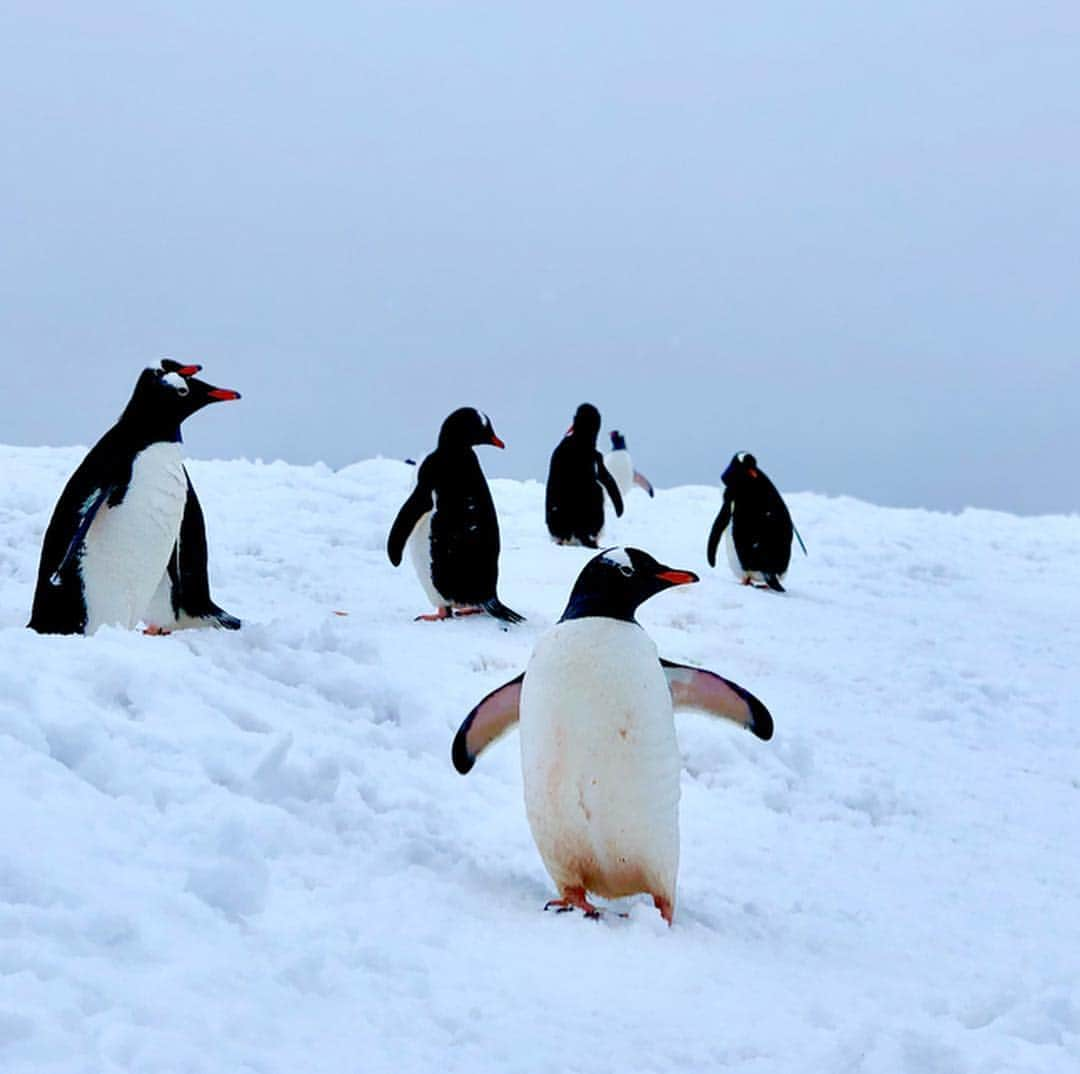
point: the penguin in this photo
(621, 467)
(599, 756)
(183, 600)
(450, 526)
(759, 536)
(577, 478)
(116, 526)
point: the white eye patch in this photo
(176, 382)
(619, 558)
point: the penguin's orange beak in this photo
(678, 577)
(752, 472)
(189, 370)
(496, 442)
(223, 394)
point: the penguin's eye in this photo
(626, 570)
(185, 390)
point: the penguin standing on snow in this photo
(599, 758)
(113, 550)
(621, 467)
(183, 598)
(758, 524)
(450, 525)
(577, 478)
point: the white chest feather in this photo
(128, 546)
(600, 761)
(621, 468)
(419, 547)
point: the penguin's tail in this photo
(497, 610)
(218, 617)
(774, 583)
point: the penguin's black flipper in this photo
(492, 717)
(497, 610)
(717, 531)
(696, 688)
(774, 583)
(187, 569)
(412, 510)
(604, 475)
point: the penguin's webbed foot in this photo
(156, 631)
(573, 899)
(434, 617)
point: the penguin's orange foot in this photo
(747, 580)
(156, 631)
(573, 899)
(434, 617)
(667, 911)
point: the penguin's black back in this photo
(101, 478)
(761, 525)
(464, 526)
(574, 501)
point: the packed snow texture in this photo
(248, 852)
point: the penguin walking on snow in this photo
(621, 467)
(577, 479)
(114, 550)
(450, 525)
(599, 758)
(758, 525)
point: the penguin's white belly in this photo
(127, 547)
(732, 555)
(600, 761)
(621, 468)
(419, 546)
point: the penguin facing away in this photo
(621, 467)
(577, 479)
(450, 526)
(757, 523)
(115, 529)
(599, 757)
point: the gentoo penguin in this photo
(621, 467)
(115, 528)
(759, 536)
(183, 597)
(599, 758)
(450, 524)
(577, 478)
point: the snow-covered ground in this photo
(249, 852)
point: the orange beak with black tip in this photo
(496, 442)
(222, 395)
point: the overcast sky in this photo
(844, 236)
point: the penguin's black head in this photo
(613, 584)
(165, 396)
(742, 468)
(618, 441)
(467, 427)
(586, 425)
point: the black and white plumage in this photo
(576, 482)
(621, 467)
(600, 761)
(757, 523)
(120, 521)
(450, 525)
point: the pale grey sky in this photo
(843, 236)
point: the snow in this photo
(249, 852)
